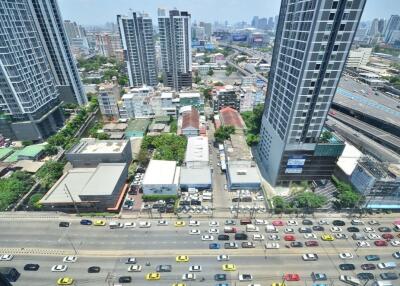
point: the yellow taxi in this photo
(327, 237)
(65, 281)
(179, 284)
(99, 223)
(229, 267)
(153, 276)
(182, 258)
(278, 284)
(179, 223)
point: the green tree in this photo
(50, 150)
(308, 200)
(279, 202)
(348, 199)
(223, 133)
(34, 201)
(103, 136)
(326, 136)
(252, 139)
(218, 83)
(210, 72)
(173, 126)
(27, 143)
(49, 173)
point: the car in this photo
(341, 236)
(6, 257)
(248, 244)
(31, 267)
(207, 237)
(289, 237)
(319, 276)
(189, 277)
(336, 229)
(223, 257)
(350, 280)
(277, 223)
(125, 279)
(164, 268)
(135, 268)
(357, 222)
(241, 236)
(368, 229)
(296, 244)
(353, 229)
(387, 236)
(144, 224)
(182, 258)
(395, 243)
(372, 257)
(338, 223)
(258, 237)
(129, 225)
(366, 276)
(130, 260)
(195, 268)
(278, 284)
(179, 284)
(384, 229)
(327, 237)
(288, 230)
(59, 268)
(387, 265)
(229, 267)
(272, 245)
(94, 269)
(214, 246)
(305, 230)
(213, 223)
(86, 222)
(323, 222)
(213, 231)
(99, 223)
(362, 244)
(162, 223)
(291, 277)
(223, 237)
(346, 255)
(292, 222)
(380, 243)
(368, 266)
(194, 232)
(245, 277)
(311, 243)
(310, 257)
(260, 222)
(64, 224)
(230, 245)
(180, 223)
(274, 237)
(389, 276)
(373, 222)
(220, 277)
(65, 281)
(310, 236)
(396, 254)
(194, 223)
(318, 228)
(70, 259)
(374, 236)
(346, 266)
(307, 222)
(230, 222)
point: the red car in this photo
(387, 236)
(311, 243)
(380, 243)
(289, 237)
(277, 223)
(292, 277)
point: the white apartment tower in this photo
(176, 50)
(139, 51)
(313, 39)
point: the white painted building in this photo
(137, 102)
(358, 57)
(161, 178)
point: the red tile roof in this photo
(230, 116)
(191, 119)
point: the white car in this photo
(189, 277)
(387, 265)
(194, 223)
(260, 222)
(162, 223)
(135, 268)
(363, 244)
(288, 230)
(70, 259)
(373, 222)
(144, 224)
(395, 242)
(6, 257)
(369, 229)
(223, 257)
(323, 222)
(374, 236)
(346, 255)
(292, 222)
(195, 268)
(194, 232)
(59, 268)
(272, 245)
(336, 229)
(310, 236)
(129, 225)
(245, 277)
(130, 260)
(310, 257)
(207, 237)
(258, 237)
(341, 236)
(213, 231)
(213, 223)
(274, 237)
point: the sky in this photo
(98, 12)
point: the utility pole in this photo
(72, 199)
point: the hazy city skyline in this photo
(201, 10)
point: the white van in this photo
(270, 229)
(252, 228)
(357, 222)
(382, 283)
(350, 280)
(114, 224)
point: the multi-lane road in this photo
(42, 241)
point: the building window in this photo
(331, 16)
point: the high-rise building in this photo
(138, 43)
(78, 41)
(312, 42)
(392, 25)
(176, 50)
(52, 33)
(28, 93)
(381, 26)
(374, 29)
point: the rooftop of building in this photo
(189, 95)
(191, 119)
(166, 95)
(107, 85)
(115, 126)
(349, 158)
(243, 175)
(94, 146)
(138, 125)
(5, 152)
(236, 148)
(231, 117)
(195, 176)
(30, 151)
(197, 149)
(161, 172)
(99, 181)
(379, 170)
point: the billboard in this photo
(296, 162)
(239, 37)
(293, 170)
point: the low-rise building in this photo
(227, 96)
(108, 96)
(192, 98)
(231, 117)
(358, 57)
(161, 178)
(137, 128)
(137, 102)
(189, 123)
(197, 152)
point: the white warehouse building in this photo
(161, 178)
